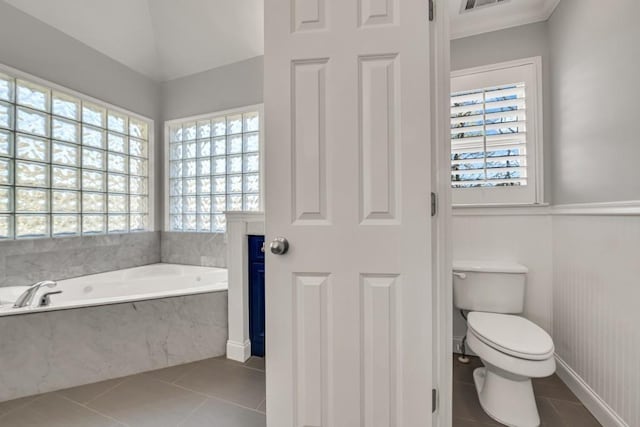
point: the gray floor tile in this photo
(225, 381)
(86, 393)
(53, 410)
(255, 363)
(574, 414)
(466, 404)
(172, 373)
(263, 406)
(549, 417)
(12, 405)
(216, 413)
(144, 401)
(553, 388)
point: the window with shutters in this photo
(496, 138)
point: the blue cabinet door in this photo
(256, 295)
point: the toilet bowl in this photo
(513, 350)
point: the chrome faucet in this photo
(27, 296)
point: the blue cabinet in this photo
(256, 295)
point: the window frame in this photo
(151, 186)
(533, 192)
(167, 158)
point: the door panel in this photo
(348, 182)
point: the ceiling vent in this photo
(471, 5)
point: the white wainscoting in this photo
(596, 314)
(521, 235)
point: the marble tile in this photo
(203, 249)
(55, 411)
(235, 384)
(225, 415)
(67, 348)
(25, 262)
(142, 401)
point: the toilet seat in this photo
(512, 335)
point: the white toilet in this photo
(512, 348)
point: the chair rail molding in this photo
(239, 226)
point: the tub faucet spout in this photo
(27, 296)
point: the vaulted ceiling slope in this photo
(168, 39)
(163, 39)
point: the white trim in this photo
(239, 226)
(545, 13)
(502, 210)
(254, 107)
(151, 147)
(594, 403)
(627, 207)
(442, 367)
(238, 351)
(534, 142)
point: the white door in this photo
(348, 178)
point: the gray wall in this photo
(223, 88)
(508, 45)
(36, 48)
(39, 49)
(595, 63)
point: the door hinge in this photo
(434, 204)
(431, 10)
(434, 400)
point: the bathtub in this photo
(109, 325)
(128, 285)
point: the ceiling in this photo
(163, 39)
(509, 13)
(168, 39)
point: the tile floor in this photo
(557, 405)
(222, 393)
(214, 392)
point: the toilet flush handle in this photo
(460, 275)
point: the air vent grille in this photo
(470, 5)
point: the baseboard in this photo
(456, 346)
(238, 351)
(589, 398)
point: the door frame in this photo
(442, 221)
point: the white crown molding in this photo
(624, 208)
(547, 9)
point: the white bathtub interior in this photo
(127, 285)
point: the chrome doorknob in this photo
(279, 246)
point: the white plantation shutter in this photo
(494, 134)
(488, 137)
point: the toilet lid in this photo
(513, 335)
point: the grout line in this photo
(192, 412)
(260, 404)
(27, 403)
(122, 381)
(94, 411)
(214, 397)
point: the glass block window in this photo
(214, 166)
(69, 166)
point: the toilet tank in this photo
(495, 287)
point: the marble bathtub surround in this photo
(23, 262)
(203, 249)
(68, 348)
